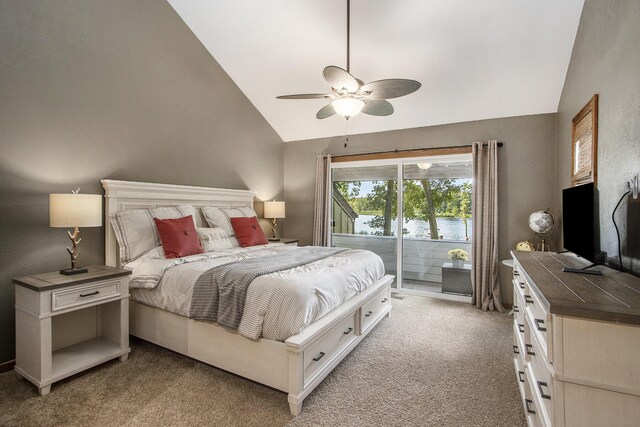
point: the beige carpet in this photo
(433, 363)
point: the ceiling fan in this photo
(350, 96)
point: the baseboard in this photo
(7, 366)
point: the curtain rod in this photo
(500, 144)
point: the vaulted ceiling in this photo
(475, 59)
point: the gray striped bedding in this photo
(277, 305)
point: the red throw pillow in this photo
(179, 237)
(248, 231)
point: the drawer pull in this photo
(515, 273)
(515, 309)
(529, 403)
(521, 285)
(384, 300)
(89, 294)
(521, 376)
(540, 325)
(348, 331)
(368, 314)
(318, 357)
(528, 299)
(529, 348)
(515, 350)
(542, 393)
(521, 327)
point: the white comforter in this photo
(278, 305)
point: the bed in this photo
(295, 364)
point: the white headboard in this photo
(126, 195)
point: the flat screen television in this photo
(581, 222)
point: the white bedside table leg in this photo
(44, 390)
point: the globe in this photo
(542, 223)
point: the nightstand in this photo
(292, 242)
(66, 324)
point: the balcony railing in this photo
(422, 258)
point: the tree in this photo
(465, 206)
(383, 198)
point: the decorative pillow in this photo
(136, 232)
(221, 217)
(179, 237)
(248, 231)
(213, 239)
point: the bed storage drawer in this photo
(374, 308)
(326, 348)
(75, 297)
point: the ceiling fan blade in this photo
(340, 79)
(377, 107)
(306, 96)
(390, 88)
(326, 111)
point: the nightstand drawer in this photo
(75, 297)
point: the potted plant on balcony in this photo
(458, 257)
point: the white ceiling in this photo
(475, 59)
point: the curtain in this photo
(322, 212)
(484, 202)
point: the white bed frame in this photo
(295, 366)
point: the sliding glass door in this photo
(364, 209)
(412, 226)
(436, 211)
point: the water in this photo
(449, 228)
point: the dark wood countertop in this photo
(613, 297)
(55, 280)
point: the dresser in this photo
(576, 342)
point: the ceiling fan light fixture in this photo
(424, 165)
(347, 106)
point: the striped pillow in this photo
(136, 231)
(221, 217)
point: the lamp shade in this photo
(274, 209)
(75, 210)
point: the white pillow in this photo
(155, 253)
(213, 239)
(221, 217)
(136, 231)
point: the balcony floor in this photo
(421, 285)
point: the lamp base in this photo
(72, 271)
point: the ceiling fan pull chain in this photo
(346, 133)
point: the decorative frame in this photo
(584, 144)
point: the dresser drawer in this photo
(518, 345)
(78, 296)
(518, 306)
(542, 382)
(539, 322)
(532, 408)
(322, 352)
(371, 310)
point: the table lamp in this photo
(75, 210)
(274, 210)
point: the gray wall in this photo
(526, 170)
(110, 89)
(606, 60)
